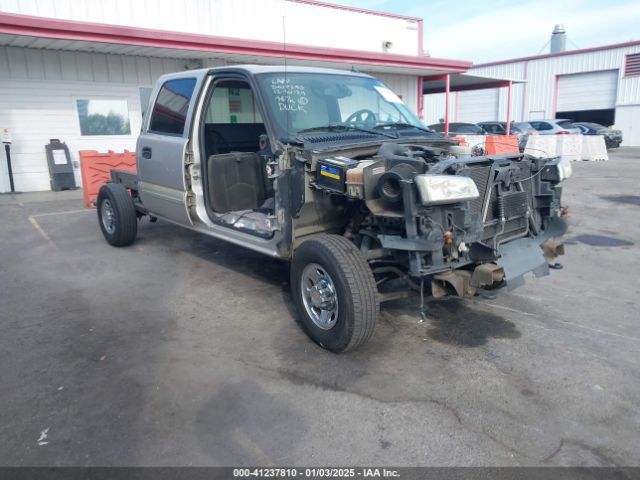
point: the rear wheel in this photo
(117, 215)
(334, 292)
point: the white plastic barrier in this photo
(594, 148)
(543, 146)
(570, 147)
(473, 141)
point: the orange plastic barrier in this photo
(96, 170)
(461, 141)
(496, 144)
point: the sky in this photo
(497, 30)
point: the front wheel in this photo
(334, 292)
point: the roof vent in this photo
(558, 39)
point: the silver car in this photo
(559, 126)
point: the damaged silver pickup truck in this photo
(331, 171)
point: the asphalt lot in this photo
(182, 350)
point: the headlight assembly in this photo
(557, 170)
(566, 170)
(439, 189)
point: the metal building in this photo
(599, 84)
(64, 63)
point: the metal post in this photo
(446, 105)
(509, 107)
(420, 98)
(7, 148)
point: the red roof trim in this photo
(14, 24)
(464, 88)
(348, 8)
(560, 54)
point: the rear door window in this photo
(170, 110)
(541, 126)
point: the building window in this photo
(103, 117)
(632, 65)
(170, 110)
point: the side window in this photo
(469, 129)
(170, 110)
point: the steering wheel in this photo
(363, 116)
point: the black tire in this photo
(123, 228)
(358, 307)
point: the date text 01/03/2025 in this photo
(315, 472)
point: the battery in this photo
(332, 173)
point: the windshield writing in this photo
(309, 101)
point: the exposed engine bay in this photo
(466, 223)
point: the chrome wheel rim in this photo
(319, 296)
(108, 217)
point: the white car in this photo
(554, 127)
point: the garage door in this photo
(587, 91)
(478, 105)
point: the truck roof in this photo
(257, 69)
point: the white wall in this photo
(304, 24)
(628, 119)
(38, 89)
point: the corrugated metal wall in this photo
(434, 108)
(38, 90)
(304, 24)
(536, 98)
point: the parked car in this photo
(521, 129)
(458, 128)
(330, 171)
(612, 138)
(554, 127)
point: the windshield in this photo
(524, 127)
(305, 102)
(566, 124)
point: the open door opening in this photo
(238, 188)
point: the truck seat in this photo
(235, 181)
(232, 137)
